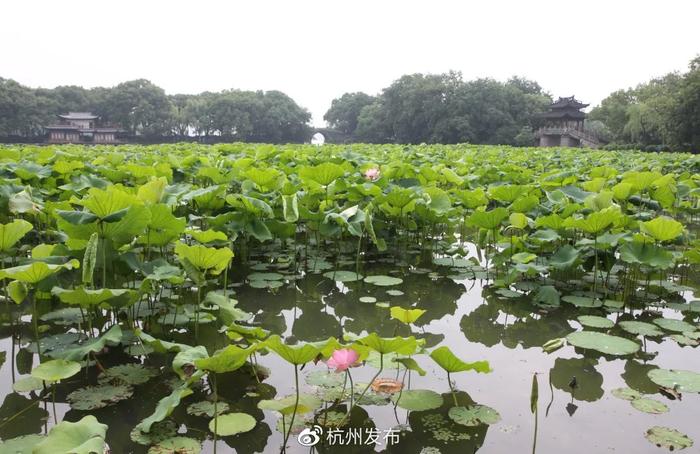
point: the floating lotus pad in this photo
(55, 370)
(582, 301)
(94, 397)
(131, 374)
(649, 406)
(604, 343)
(670, 324)
(325, 378)
(232, 424)
(671, 439)
(641, 328)
(626, 393)
(394, 292)
(368, 299)
(206, 408)
(343, 276)
(685, 380)
(474, 415)
(176, 445)
(383, 281)
(20, 445)
(417, 399)
(595, 321)
(160, 431)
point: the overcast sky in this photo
(316, 50)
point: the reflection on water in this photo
(473, 319)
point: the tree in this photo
(345, 111)
(138, 106)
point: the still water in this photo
(465, 314)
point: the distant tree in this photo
(181, 120)
(687, 112)
(22, 112)
(345, 111)
(138, 106)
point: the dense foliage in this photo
(443, 108)
(115, 260)
(664, 111)
(140, 107)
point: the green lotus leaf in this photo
(27, 384)
(507, 192)
(406, 316)
(649, 406)
(176, 445)
(86, 436)
(18, 291)
(383, 281)
(165, 407)
(207, 236)
(11, 233)
(286, 405)
(604, 343)
(547, 295)
(21, 445)
(323, 174)
(384, 345)
(77, 217)
(596, 222)
(410, 364)
(206, 408)
(232, 424)
(523, 257)
(626, 393)
(343, 276)
(159, 431)
(225, 360)
(671, 439)
(296, 355)
(368, 299)
(417, 399)
(94, 397)
(488, 219)
(112, 337)
(641, 328)
(646, 254)
(394, 292)
(55, 370)
(325, 378)
(565, 257)
(37, 271)
(474, 415)
(213, 260)
(160, 346)
(103, 203)
(662, 228)
(678, 326)
(130, 374)
(163, 227)
(683, 380)
(153, 191)
(185, 359)
(444, 357)
(595, 321)
(582, 301)
(82, 297)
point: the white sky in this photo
(316, 50)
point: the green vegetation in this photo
(120, 264)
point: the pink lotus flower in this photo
(343, 359)
(372, 174)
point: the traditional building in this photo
(80, 127)
(564, 126)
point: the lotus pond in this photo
(357, 298)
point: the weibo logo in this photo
(310, 436)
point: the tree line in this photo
(663, 113)
(139, 107)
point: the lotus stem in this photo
(296, 405)
(381, 367)
(452, 390)
(216, 401)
